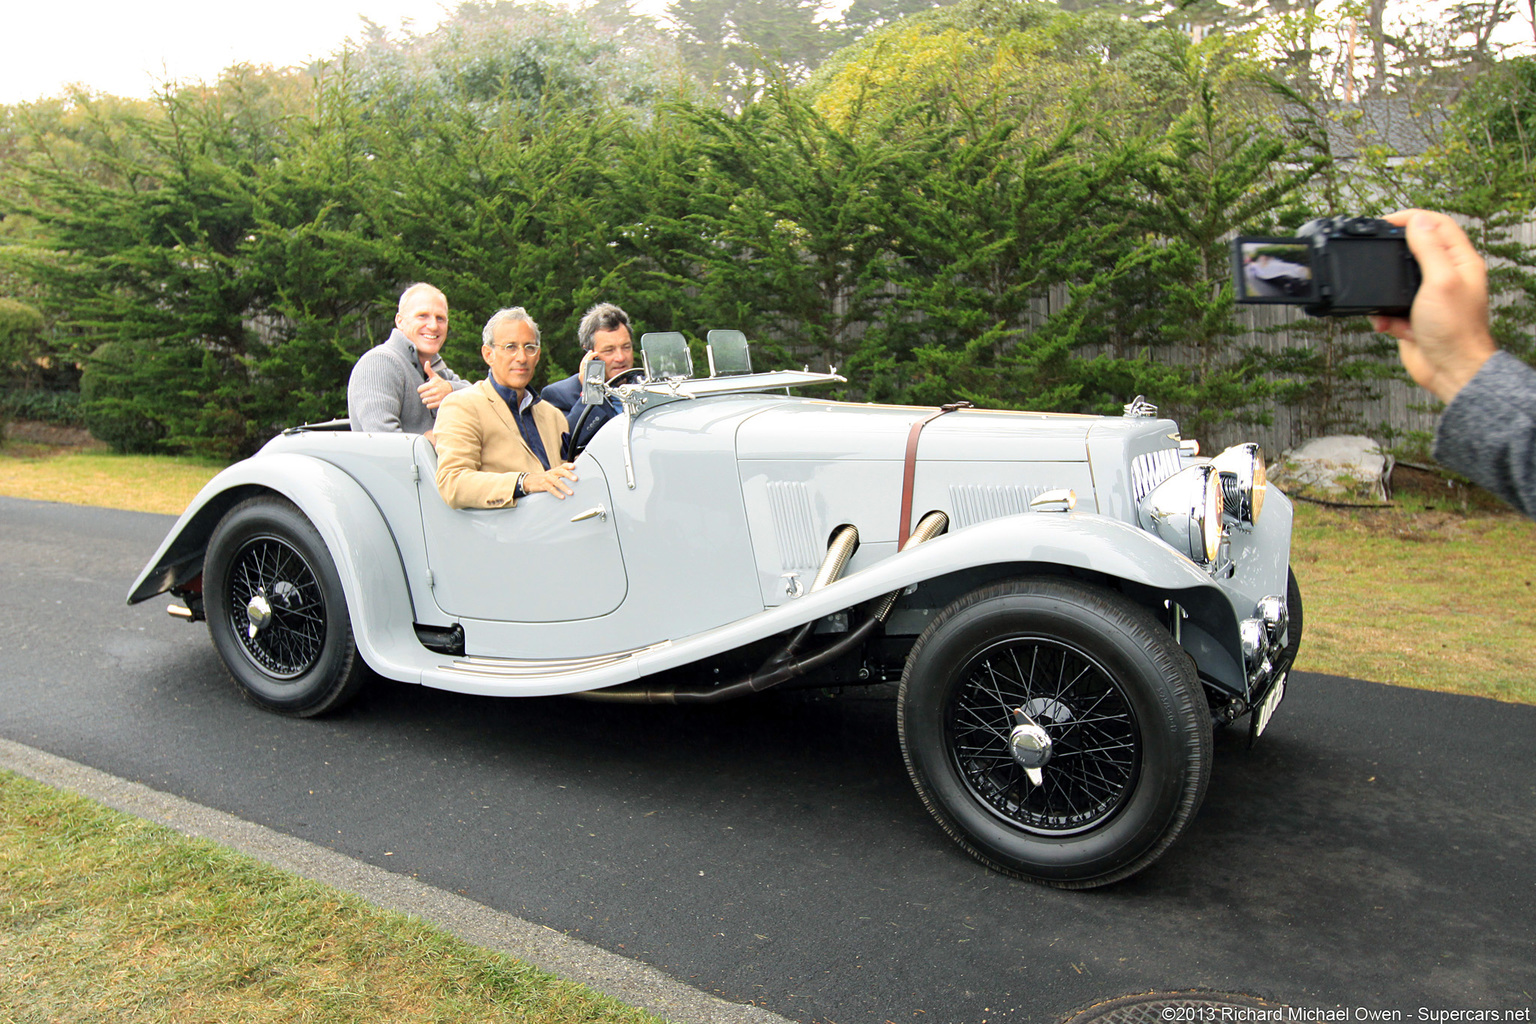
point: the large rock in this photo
(1346, 467)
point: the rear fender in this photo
(355, 532)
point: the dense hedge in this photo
(1008, 204)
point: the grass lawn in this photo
(1432, 599)
(94, 476)
(106, 917)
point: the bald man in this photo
(397, 386)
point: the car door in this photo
(545, 560)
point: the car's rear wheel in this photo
(277, 611)
(1055, 730)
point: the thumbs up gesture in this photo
(434, 389)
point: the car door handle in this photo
(599, 512)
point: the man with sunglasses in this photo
(497, 441)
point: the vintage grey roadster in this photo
(1071, 604)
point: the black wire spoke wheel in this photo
(1055, 730)
(277, 610)
(1095, 745)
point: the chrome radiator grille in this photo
(1151, 469)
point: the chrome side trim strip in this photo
(520, 668)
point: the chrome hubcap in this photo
(258, 612)
(1030, 745)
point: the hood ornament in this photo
(1141, 409)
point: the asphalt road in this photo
(1374, 851)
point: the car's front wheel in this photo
(1055, 730)
(1296, 617)
(277, 611)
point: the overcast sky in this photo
(129, 47)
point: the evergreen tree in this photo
(795, 230)
(864, 16)
(663, 176)
(1166, 304)
(21, 341)
(990, 220)
(519, 215)
(213, 275)
(1484, 169)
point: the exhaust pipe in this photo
(845, 540)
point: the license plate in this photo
(1266, 709)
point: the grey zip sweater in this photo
(1488, 432)
(381, 393)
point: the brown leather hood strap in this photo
(909, 470)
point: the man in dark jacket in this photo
(604, 333)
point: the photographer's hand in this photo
(1445, 340)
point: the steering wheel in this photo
(573, 447)
(633, 375)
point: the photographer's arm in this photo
(1488, 429)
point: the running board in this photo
(520, 668)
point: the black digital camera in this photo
(1338, 266)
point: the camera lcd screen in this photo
(1273, 270)
(1373, 274)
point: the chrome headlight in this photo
(1185, 511)
(1243, 482)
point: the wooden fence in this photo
(1399, 408)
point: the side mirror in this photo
(592, 379)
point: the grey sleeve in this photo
(1488, 432)
(374, 393)
(441, 369)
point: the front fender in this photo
(1084, 541)
(1030, 542)
(1076, 543)
(354, 530)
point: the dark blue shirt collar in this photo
(523, 417)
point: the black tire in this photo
(302, 659)
(1129, 727)
(1294, 617)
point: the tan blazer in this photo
(480, 451)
